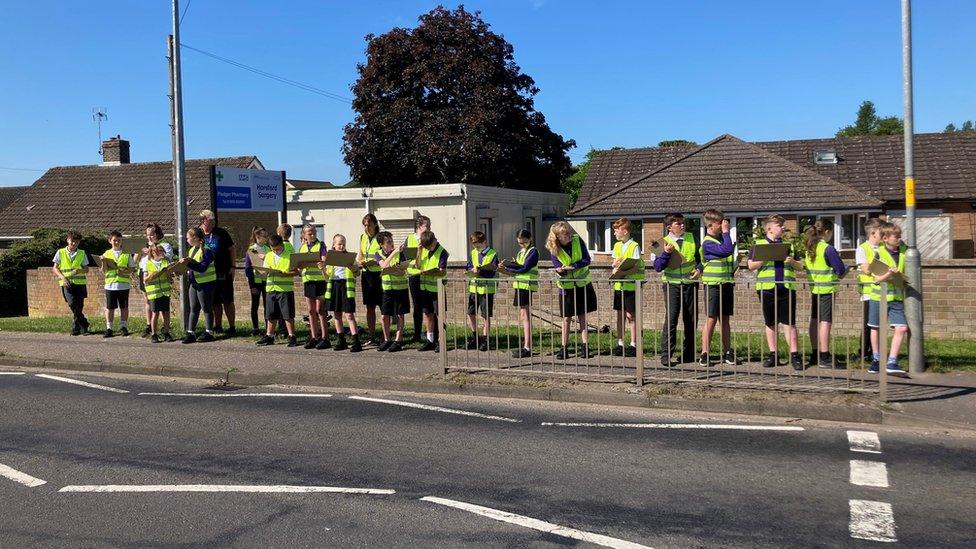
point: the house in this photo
(122, 195)
(848, 179)
(455, 210)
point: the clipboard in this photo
(396, 270)
(257, 259)
(304, 260)
(771, 252)
(109, 264)
(408, 254)
(367, 263)
(133, 245)
(430, 272)
(175, 268)
(340, 259)
(879, 268)
(675, 261)
(510, 264)
(626, 265)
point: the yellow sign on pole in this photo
(909, 192)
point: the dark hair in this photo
(671, 218)
(383, 236)
(74, 235)
(525, 235)
(114, 234)
(372, 225)
(156, 229)
(254, 234)
(477, 237)
(274, 240)
(427, 238)
(421, 220)
(197, 232)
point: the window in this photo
(597, 236)
(825, 156)
(693, 226)
(485, 226)
(847, 232)
(529, 225)
(744, 227)
(636, 230)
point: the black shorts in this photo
(116, 299)
(340, 302)
(428, 302)
(372, 288)
(395, 302)
(279, 306)
(822, 308)
(719, 300)
(778, 306)
(314, 288)
(224, 290)
(159, 305)
(523, 298)
(76, 293)
(577, 300)
(481, 302)
(626, 299)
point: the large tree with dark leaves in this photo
(445, 102)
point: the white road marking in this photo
(864, 441)
(228, 395)
(17, 476)
(435, 408)
(715, 426)
(11, 373)
(82, 383)
(872, 520)
(284, 489)
(535, 524)
(869, 473)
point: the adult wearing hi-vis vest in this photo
(625, 290)
(680, 289)
(420, 226)
(372, 283)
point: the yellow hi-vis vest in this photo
(682, 274)
(312, 274)
(71, 267)
(482, 285)
(413, 241)
(865, 280)
(159, 286)
(278, 282)
(368, 247)
(716, 271)
(823, 279)
(529, 280)
(112, 276)
(196, 254)
(623, 250)
(350, 282)
(766, 275)
(895, 293)
(576, 277)
(430, 260)
(392, 282)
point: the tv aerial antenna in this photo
(99, 115)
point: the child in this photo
(776, 288)
(340, 294)
(280, 287)
(718, 277)
(117, 284)
(625, 291)
(396, 297)
(158, 291)
(284, 231)
(864, 255)
(892, 254)
(372, 285)
(71, 268)
(571, 261)
(313, 284)
(526, 283)
(154, 237)
(482, 264)
(432, 262)
(825, 268)
(202, 277)
(420, 225)
(255, 280)
(680, 289)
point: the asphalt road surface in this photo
(86, 466)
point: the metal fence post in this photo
(442, 324)
(883, 344)
(639, 322)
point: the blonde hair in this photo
(889, 229)
(308, 227)
(713, 216)
(774, 219)
(552, 241)
(337, 236)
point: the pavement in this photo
(945, 401)
(109, 462)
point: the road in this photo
(675, 481)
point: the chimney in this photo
(115, 151)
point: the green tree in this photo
(967, 126)
(572, 184)
(868, 123)
(950, 128)
(677, 143)
(446, 102)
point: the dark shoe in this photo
(703, 360)
(189, 338)
(483, 346)
(471, 344)
(415, 338)
(76, 331)
(265, 340)
(730, 359)
(562, 353)
(255, 332)
(394, 347)
(323, 343)
(385, 346)
(218, 329)
(207, 337)
(108, 333)
(292, 341)
(892, 369)
(796, 360)
(875, 366)
(146, 332)
(167, 337)
(232, 332)
(666, 362)
(813, 361)
(356, 346)
(311, 343)
(155, 338)
(521, 352)
(341, 345)
(826, 360)
(630, 351)
(584, 351)
(124, 331)
(618, 350)
(377, 341)
(769, 361)
(428, 346)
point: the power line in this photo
(282, 79)
(20, 169)
(185, 9)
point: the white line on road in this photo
(435, 408)
(716, 426)
(864, 441)
(535, 524)
(872, 520)
(82, 383)
(227, 395)
(11, 373)
(869, 473)
(284, 489)
(17, 476)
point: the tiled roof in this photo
(611, 169)
(123, 197)
(731, 175)
(8, 194)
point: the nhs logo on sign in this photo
(249, 190)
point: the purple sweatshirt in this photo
(531, 260)
(835, 262)
(481, 257)
(718, 251)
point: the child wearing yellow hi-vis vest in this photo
(718, 276)
(71, 268)
(432, 262)
(280, 285)
(340, 294)
(571, 262)
(372, 288)
(776, 288)
(313, 284)
(117, 284)
(482, 266)
(625, 291)
(680, 289)
(825, 268)
(526, 273)
(864, 255)
(396, 299)
(891, 253)
(421, 224)
(158, 292)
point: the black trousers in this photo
(201, 301)
(413, 283)
(680, 299)
(256, 300)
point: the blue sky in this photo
(612, 73)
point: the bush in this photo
(31, 254)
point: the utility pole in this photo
(179, 161)
(913, 260)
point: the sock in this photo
(632, 345)
(430, 337)
(892, 361)
(876, 356)
(108, 325)
(208, 331)
(620, 343)
(124, 323)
